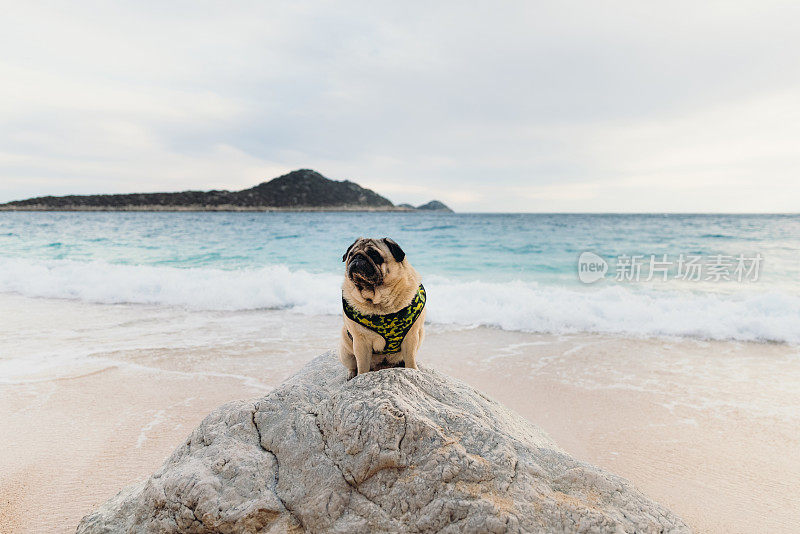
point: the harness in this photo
(392, 327)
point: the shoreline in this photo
(709, 429)
(224, 208)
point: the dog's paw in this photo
(351, 373)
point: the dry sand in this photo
(710, 429)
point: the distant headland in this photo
(300, 190)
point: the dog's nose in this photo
(361, 265)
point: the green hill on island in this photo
(302, 189)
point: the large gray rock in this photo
(396, 450)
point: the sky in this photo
(488, 106)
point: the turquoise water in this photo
(505, 270)
(534, 247)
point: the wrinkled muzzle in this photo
(362, 271)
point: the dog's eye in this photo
(375, 256)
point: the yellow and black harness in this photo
(392, 327)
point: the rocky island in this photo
(396, 450)
(300, 190)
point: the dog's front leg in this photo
(410, 357)
(363, 353)
(410, 349)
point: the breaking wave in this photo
(513, 305)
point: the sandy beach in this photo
(709, 429)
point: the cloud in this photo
(521, 106)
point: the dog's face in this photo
(373, 263)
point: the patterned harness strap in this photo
(392, 327)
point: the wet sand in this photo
(710, 429)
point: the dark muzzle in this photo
(362, 271)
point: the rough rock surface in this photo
(396, 450)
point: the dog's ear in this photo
(346, 252)
(395, 249)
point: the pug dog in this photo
(383, 306)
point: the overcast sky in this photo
(487, 106)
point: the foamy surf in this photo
(271, 287)
(512, 305)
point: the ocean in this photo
(665, 348)
(509, 271)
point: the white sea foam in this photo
(512, 305)
(619, 310)
(198, 288)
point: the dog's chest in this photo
(386, 333)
